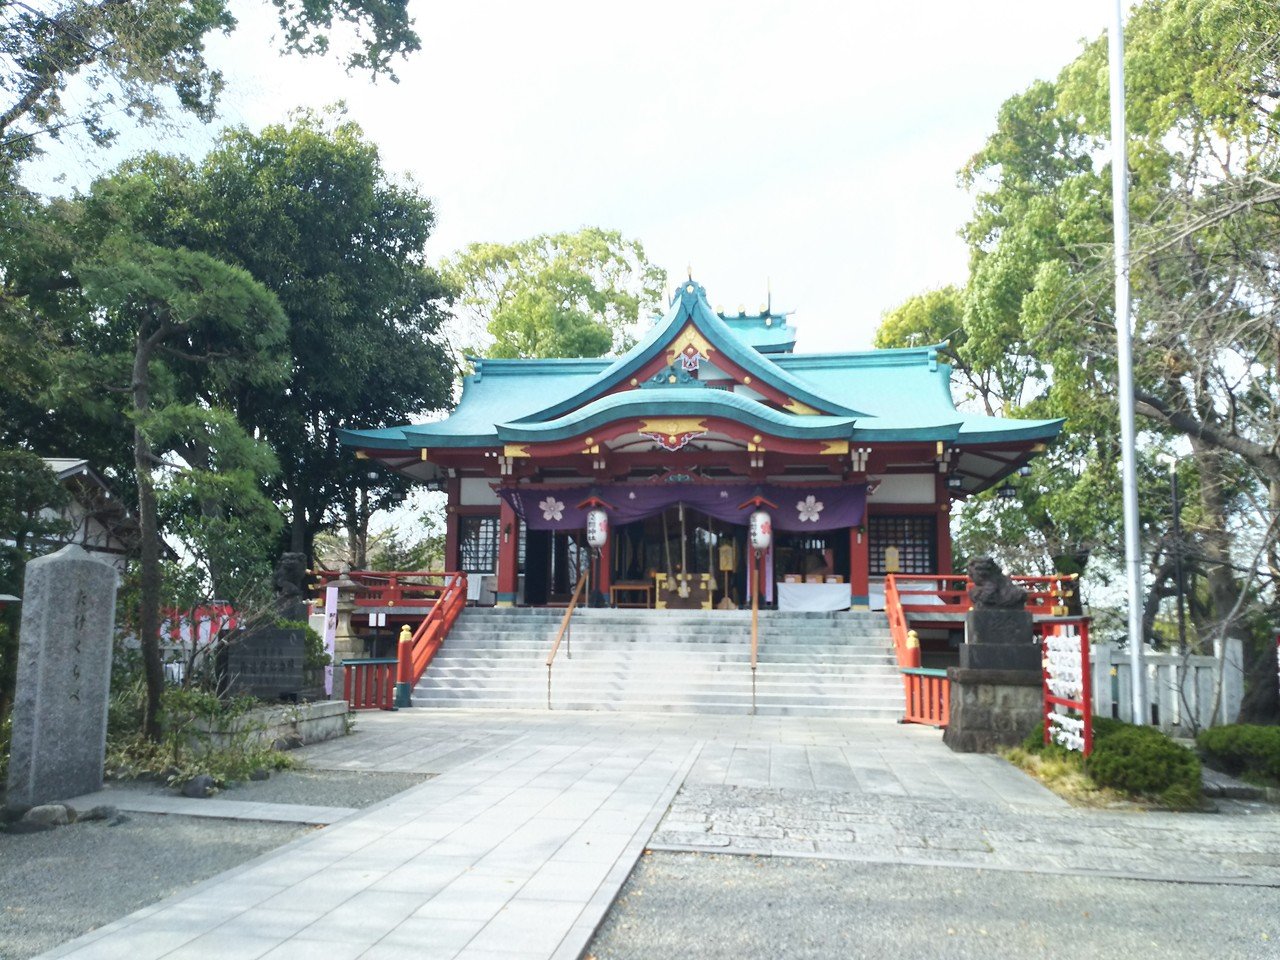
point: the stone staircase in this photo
(814, 664)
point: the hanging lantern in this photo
(597, 528)
(761, 526)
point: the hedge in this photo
(1242, 749)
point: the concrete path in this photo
(518, 846)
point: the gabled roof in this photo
(867, 396)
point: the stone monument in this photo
(270, 661)
(996, 691)
(64, 677)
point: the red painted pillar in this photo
(859, 566)
(452, 557)
(605, 573)
(942, 498)
(508, 556)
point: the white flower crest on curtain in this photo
(553, 509)
(809, 508)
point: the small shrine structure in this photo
(856, 457)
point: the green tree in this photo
(555, 295)
(129, 57)
(309, 211)
(30, 498)
(1205, 183)
(163, 310)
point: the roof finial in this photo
(768, 288)
(690, 268)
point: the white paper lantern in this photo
(597, 528)
(761, 526)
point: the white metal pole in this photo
(1124, 338)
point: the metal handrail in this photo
(566, 624)
(755, 627)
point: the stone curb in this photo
(1238, 881)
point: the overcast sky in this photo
(812, 146)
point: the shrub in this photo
(1242, 749)
(1143, 761)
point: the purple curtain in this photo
(799, 509)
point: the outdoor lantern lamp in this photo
(955, 483)
(1006, 492)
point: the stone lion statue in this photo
(992, 589)
(290, 580)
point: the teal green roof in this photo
(766, 331)
(874, 395)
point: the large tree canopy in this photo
(131, 56)
(1037, 315)
(555, 295)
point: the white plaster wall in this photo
(476, 492)
(903, 488)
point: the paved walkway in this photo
(518, 847)
(131, 801)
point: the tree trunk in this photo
(149, 536)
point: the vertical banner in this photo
(330, 634)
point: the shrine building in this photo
(855, 457)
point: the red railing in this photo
(417, 649)
(928, 696)
(391, 588)
(928, 692)
(369, 684)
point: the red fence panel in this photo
(370, 684)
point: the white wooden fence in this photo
(1181, 691)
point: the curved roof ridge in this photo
(690, 305)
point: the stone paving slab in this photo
(132, 801)
(517, 853)
(922, 831)
(518, 847)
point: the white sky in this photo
(813, 146)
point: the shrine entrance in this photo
(680, 558)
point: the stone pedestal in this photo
(992, 708)
(64, 677)
(995, 625)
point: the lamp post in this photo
(1172, 463)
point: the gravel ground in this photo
(57, 885)
(771, 908)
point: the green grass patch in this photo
(1129, 764)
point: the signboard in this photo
(330, 635)
(267, 663)
(1068, 711)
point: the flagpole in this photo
(1124, 342)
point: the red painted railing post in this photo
(404, 676)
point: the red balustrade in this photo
(369, 684)
(417, 649)
(391, 588)
(928, 692)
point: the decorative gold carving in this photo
(746, 381)
(799, 408)
(673, 425)
(687, 338)
(591, 447)
(836, 447)
(635, 382)
(361, 455)
(515, 450)
(422, 454)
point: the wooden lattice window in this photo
(478, 544)
(915, 536)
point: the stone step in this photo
(686, 661)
